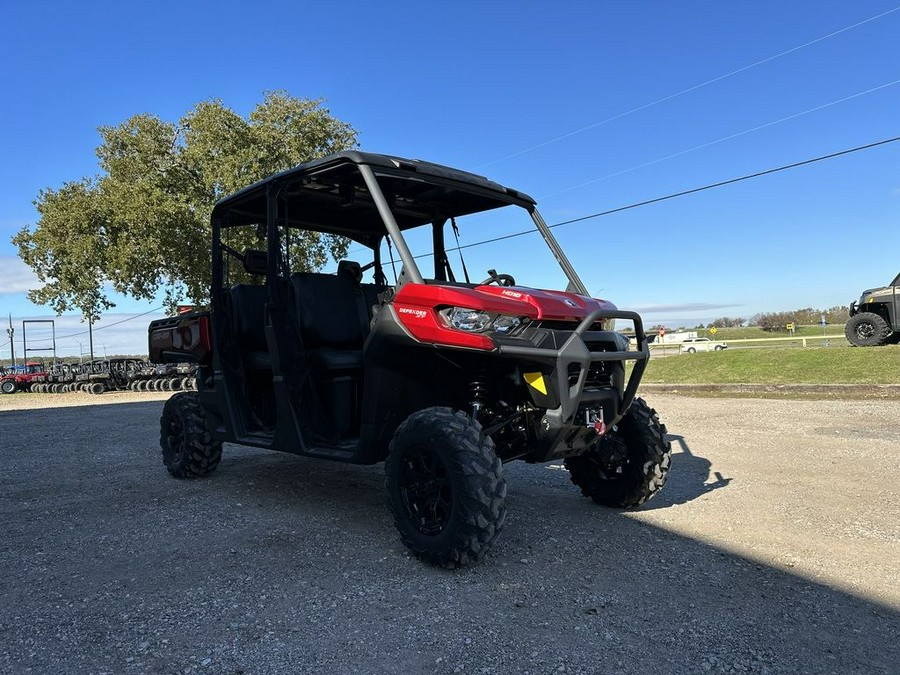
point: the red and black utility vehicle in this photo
(442, 378)
(21, 380)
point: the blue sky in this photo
(519, 91)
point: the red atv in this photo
(443, 378)
(12, 382)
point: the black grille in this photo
(599, 375)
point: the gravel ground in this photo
(773, 549)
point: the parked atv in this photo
(875, 319)
(21, 380)
(442, 378)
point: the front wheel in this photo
(629, 464)
(187, 447)
(8, 386)
(691, 350)
(445, 487)
(867, 329)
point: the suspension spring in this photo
(478, 390)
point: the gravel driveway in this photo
(773, 549)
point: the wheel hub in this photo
(609, 456)
(175, 439)
(426, 492)
(865, 331)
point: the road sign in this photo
(790, 327)
(713, 330)
(822, 321)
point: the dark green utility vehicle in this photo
(875, 319)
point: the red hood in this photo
(516, 300)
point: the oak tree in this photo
(141, 226)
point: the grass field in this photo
(754, 332)
(849, 365)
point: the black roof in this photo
(330, 195)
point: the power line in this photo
(686, 91)
(683, 193)
(715, 142)
(724, 138)
(674, 195)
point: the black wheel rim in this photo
(426, 491)
(175, 438)
(610, 459)
(865, 330)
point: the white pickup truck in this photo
(702, 345)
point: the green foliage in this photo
(777, 321)
(812, 365)
(142, 225)
(727, 322)
(68, 250)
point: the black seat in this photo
(368, 293)
(350, 269)
(328, 307)
(248, 308)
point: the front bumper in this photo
(561, 432)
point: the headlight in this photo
(469, 320)
(479, 321)
(505, 324)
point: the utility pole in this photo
(12, 349)
(91, 337)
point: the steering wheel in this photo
(499, 279)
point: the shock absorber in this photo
(478, 390)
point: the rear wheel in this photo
(445, 487)
(691, 350)
(187, 447)
(629, 464)
(867, 329)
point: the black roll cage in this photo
(367, 197)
